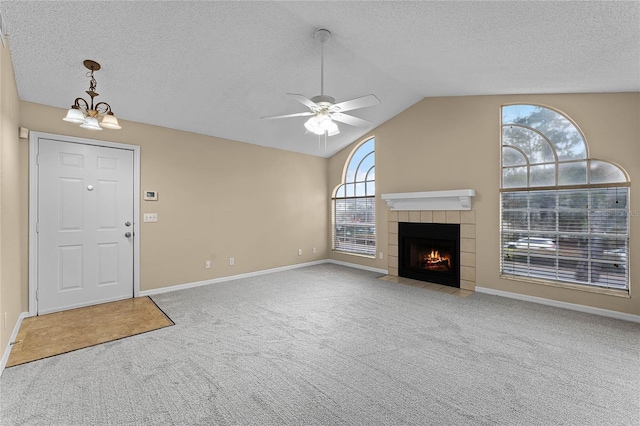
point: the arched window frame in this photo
(561, 240)
(353, 203)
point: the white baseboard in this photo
(229, 278)
(255, 274)
(14, 334)
(559, 304)
(356, 266)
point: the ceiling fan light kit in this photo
(88, 115)
(324, 109)
(319, 124)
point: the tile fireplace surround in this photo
(467, 221)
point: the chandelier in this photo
(90, 116)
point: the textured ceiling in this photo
(216, 67)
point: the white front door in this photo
(85, 225)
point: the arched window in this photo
(564, 215)
(354, 212)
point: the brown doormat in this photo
(60, 332)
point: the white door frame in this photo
(33, 207)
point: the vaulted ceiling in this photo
(217, 67)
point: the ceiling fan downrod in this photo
(324, 36)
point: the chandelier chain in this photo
(92, 83)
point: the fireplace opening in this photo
(429, 252)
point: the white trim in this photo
(459, 199)
(356, 266)
(33, 207)
(255, 274)
(12, 339)
(228, 278)
(559, 304)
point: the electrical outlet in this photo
(299, 252)
(232, 261)
(207, 264)
(150, 217)
(314, 250)
(380, 255)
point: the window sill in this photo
(579, 287)
(366, 256)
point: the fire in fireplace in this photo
(429, 252)
(434, 261)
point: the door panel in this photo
(107, 192)
(70, 268)
(85, 197)
(108, 267)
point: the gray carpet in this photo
(329, 345)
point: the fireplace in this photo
(429, 252)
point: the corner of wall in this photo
(12, 271)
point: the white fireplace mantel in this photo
(459, 199)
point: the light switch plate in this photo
(150, 217)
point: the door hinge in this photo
(37, 294)
(37, 227)
(37, 159)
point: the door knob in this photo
(127, 234)
(127, 223)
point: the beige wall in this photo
(13, 279)
(217, 199)
(454, 143)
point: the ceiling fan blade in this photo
(304, 100)
(298, 114)
(350, 120)
(357, 103)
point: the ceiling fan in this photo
(324, 109)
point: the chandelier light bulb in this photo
(91, 123)
(110, 121)
(75, 116)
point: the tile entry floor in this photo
(59, 332)
(430, 286)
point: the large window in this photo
(354, 212)
(564, 216)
